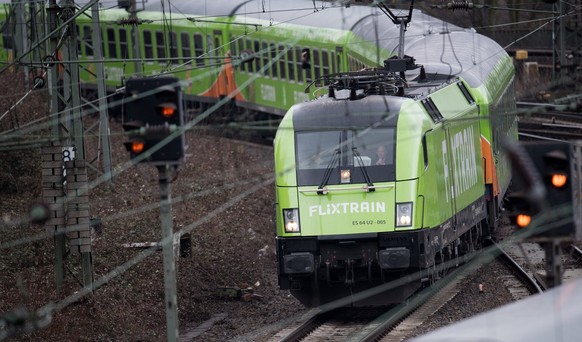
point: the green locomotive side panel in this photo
(285, 178)
(286, 198)
(500, 77)
(284, 153)
(410, 160)
(461, 153)
(456, 162)
(453, 150)
(437, 209)
(412, 124)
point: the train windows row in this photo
(503, 116)
(182, 46)
(116, 45)
(355, 64)
(290, 60)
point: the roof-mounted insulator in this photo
(400, 91)
(422, 73)
(382, 90)
(353, 95)
(132, 21)
(331, 92)
(460, 5)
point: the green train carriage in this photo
(203, 44)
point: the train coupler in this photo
(349, 277)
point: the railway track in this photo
(531, 259)
(548, 122)
(377, 324)
(340, 324)
(525, 262)
(371, 324)
(523, 283)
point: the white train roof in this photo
(462, 52)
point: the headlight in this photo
(291, 219)
(345, 176)
(404, 214)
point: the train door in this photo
(218, 48)
(211, 51)
(337, 60)
(216, 54)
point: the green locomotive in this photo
(396, 171)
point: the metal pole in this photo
(401, 38)
(559, 36)
(53, 76)
(135, 37)
(102, 93)
(21, 40)
(168, 253)
(71, 88)
(562, 40)
(553, 263)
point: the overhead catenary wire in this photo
(187, 126)
(55, 31)
(202, 56)
(64, 303)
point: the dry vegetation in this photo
(232, 241)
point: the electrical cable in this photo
(52, 308)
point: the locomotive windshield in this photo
(368, 151)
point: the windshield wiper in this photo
(363, 168)
(328, 171)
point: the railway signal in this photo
(152, 119)
(551, 166)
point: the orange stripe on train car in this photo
(489, 165)
(225, 84)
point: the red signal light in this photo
(167, 110)
(559, 180)
(137, 146)
(522, 220)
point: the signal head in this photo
(153, 108)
